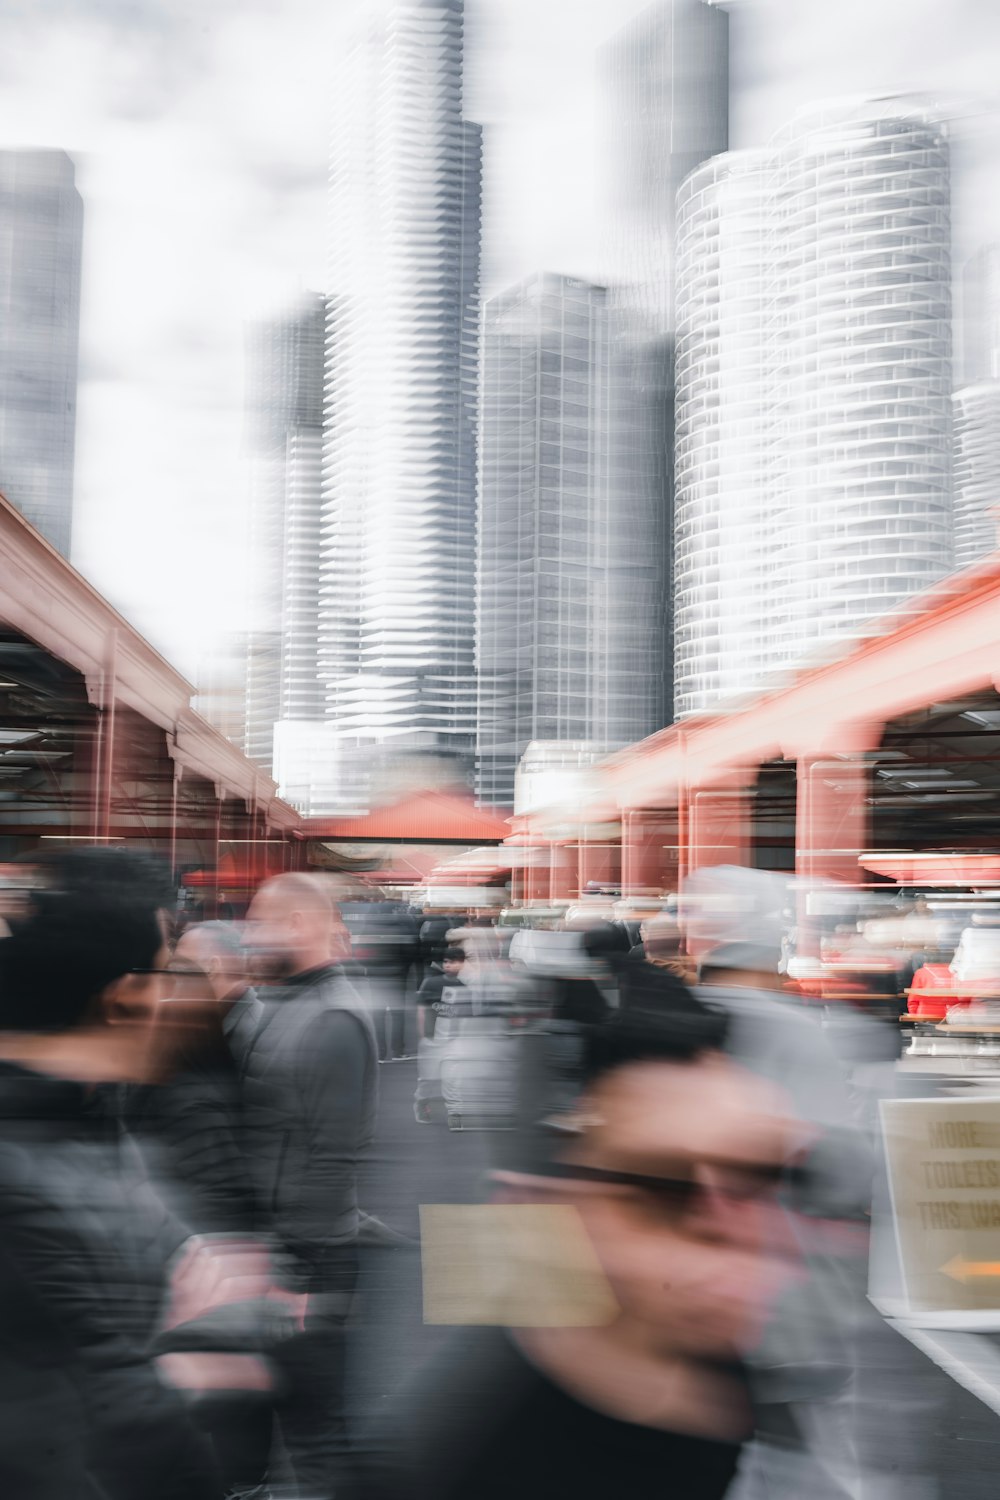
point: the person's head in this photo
(671, 1158)
(741, 966)
(661, 938)
(214, 950)
(452, 961)
(90, 950)
(295, 925)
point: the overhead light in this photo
(18, 736)
(986, 718)
(936, 784)
(17, 754)
(900, 773)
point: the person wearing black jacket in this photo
(658, 1185)
(309, 1093)
(84, 1245)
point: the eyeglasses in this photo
(684, 1196)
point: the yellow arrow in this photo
(960, 1269)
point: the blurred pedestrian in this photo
(309, 1090)
(802, 1375)
(440, 987)
(666, 1169)
(192, 1122)
(84, 1247)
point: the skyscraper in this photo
(813, 390)
(398, 589)
(41, 239)
(723, 532)
(285, 444)
(665, 80)
(977, 412)
(541, 555)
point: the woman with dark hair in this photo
(83, 1245)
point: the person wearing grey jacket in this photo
(309, 1090)
(803, 1374)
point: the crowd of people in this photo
(185, 1117)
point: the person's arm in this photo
(427, 994)
(334, 1095)
(59, 1293)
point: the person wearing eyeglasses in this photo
(85, 1247)
(626, 1378)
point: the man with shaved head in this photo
(309, 1090)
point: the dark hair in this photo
(93, 920)
(453, 955)
(608, 941)
(658, 1019)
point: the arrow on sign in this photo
(960, 1269)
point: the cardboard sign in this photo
(515, 1265)
(943, 1158)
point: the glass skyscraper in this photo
(542, 569)
(813, 391)
(398, 551)
(41, 239)
(977, 412)
(665, 85)
(286, 358)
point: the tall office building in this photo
(977, 412)
(398, 600)
(665, 83)
(541, 495)
(723, 537)
(286, 358)
(41, 239)
(813, 391)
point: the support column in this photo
(562, 873)
(718, 827)
(648, 866)
(599, 863)
(832, 817)
(536, 873)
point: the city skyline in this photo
(201, 143)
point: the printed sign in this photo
(943, 1157)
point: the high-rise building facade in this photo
(977, 412)
(286, 362)
(665, 84)
(976, 415)
(722, 535)
(41, 240)
(398, 593)
(541, 571)
(813, 391)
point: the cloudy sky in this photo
(199, 129)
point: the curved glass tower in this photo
(720, 454)
(977, 471)
(834, 457)
(398, 590)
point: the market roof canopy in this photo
(425, 818)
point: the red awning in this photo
(425, 818)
